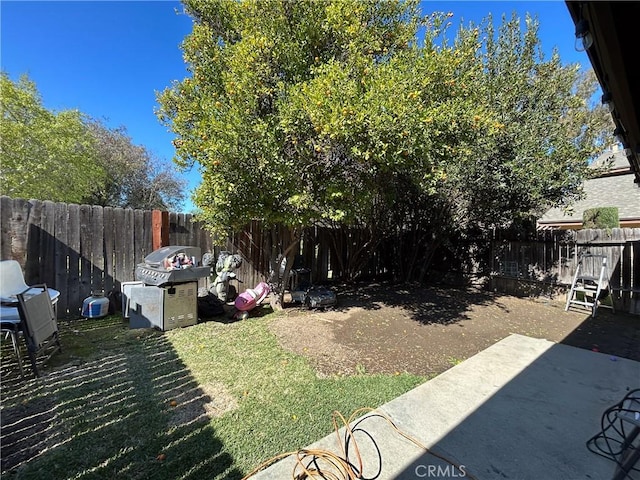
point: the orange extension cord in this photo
(338, 467)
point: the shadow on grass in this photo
(131, 410)
(423, 303)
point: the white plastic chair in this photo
(12, 283)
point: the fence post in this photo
(160, 228)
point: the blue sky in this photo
(108, 59)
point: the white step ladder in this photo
(586, 287)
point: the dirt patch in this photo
(219, 400)
(423, 330)
(312, 335)
(208, 401)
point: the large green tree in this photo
(43, 155)
(134, 177)
(537, 130)
(546, 128)
(70, 157)
(304, 112)
(250, 63)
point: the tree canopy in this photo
(68, 156)
(44, 155)
(305, 112)
(134, 178)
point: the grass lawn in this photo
(209, 401)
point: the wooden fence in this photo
(550, 263)
(79, 249)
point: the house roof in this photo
(614, 159)
(613, 188)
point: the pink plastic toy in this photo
(249, 299)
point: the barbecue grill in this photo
(172, 264)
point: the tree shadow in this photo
(426, 304)
(614, 334)
(130, 412)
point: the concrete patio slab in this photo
(521, 409)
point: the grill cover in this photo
(158, 268)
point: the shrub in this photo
(601, 217)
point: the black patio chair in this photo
(38, 324)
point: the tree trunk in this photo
(428, 258)
(285, 243)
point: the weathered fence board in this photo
(120, 245)
(139, 245)
(86, 249)
(147, 233)
(47, 273)
(5, 227)
(128, 252)
(32, 227)
(61, 252)
(73, 290)
(97, 249)
(109, 248)
(19, 240)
